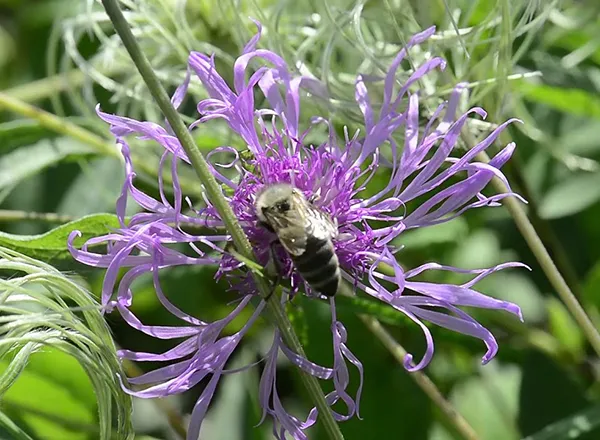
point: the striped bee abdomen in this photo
(319, 266)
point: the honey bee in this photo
(304, 231)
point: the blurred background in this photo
(535, 60)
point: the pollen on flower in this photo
(426, 165)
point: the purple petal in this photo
(201, 407)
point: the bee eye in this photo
(283, 206)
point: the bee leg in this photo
(274, 267)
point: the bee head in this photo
(275, 200)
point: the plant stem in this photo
(8, 215)
(59, 125)
(545, 261)
(45, 87)
(453, 417)
(215, 195)
(545, 231)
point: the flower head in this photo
(335, 174)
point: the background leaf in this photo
(27, 161)
(53, 397)
(571, 196)
(573, 427)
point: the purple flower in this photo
(336, 173)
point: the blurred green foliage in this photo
(535, 60)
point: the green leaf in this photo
(53, 396)
(591, 286)
(579, 136)
(480, 249)
(20, 132)
(489, 403)
(102, 177)
(572, 427)
(27, 161)
(520, 289)
(564, 328)
(378, 309)
(570, 197)
(574, 101)
(52, 245)
(449, 232)
(549, 392)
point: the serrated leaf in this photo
(571, 196)
(574, 101)
(52, 245)
(572, 427)
(48, 397)
(27, 161)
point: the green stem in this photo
(58, 125)
(215, 195)
(545, 261)
(545, 231)
(46, 87)
(8, 215)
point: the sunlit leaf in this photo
(489, 403)
(53, 396)
(574, 101)
(11, 429)
(571, 196)
(449, 232)
(563, 327)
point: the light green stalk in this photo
(215, 195)
(545, 261)
(452, 416)
(58, 125)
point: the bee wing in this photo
(293, 239)
(320, 225)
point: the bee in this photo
(304, 231)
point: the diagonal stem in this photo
(453, 417)
(215, 195)
(57, 124)
(545, 261)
